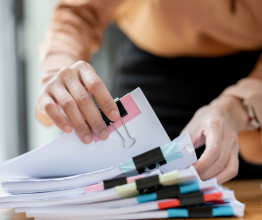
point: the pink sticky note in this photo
(132, 110)
(134, 178)
(94, 188)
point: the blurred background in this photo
(22, 29)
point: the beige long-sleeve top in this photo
(168, 28)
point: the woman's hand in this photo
(72, 88)
(217, 125)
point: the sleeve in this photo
(75, 32)
(250, 89)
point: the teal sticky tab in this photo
(146, 198)
(170, 152)
(223, 211)
(189, 188)
(177, 213)
(128, 168)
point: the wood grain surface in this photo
(247, 191)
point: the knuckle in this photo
(108, 104)
(95, 84)
(98, 125)
(81, 127)
(83, 99)
(219, 121)
(58, 119)
(201, 110)
(49, 85)
(67, 103)
(49, 106)
(83, 64)
(65, 73)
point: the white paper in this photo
(142, 207)
(67, 155)
(186, 176)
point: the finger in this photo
(197, 136)
(226, 148)
(231, 169)
(195, 130)
(49, 107)
(70, 108)
(214, 136)
(98, 89)
(216, 168)
(89, 109)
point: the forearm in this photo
(76, 31)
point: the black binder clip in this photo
(123, 113)
(149, 161)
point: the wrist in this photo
(233, 111)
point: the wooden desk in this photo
(248, 192)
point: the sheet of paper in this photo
(67, 155)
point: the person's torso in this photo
(177, 87)
(172, 28)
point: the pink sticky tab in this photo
(94, 188)
(132, 110)
(134, 178)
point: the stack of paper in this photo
(173, 194)
(78, 189)
(66, 179)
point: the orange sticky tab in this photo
(169, 204)
(213, 196)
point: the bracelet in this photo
(253, 123)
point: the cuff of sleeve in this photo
(249, 89)
(57, 61)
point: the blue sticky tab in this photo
(170, 152)
(146, 198)
(223, 211)
(128, 168)
(189, 188)
(177, 213)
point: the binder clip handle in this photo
(147, 170)
(124, 143)
(123, 113)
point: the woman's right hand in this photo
(72, 88)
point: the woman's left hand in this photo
(217, 126)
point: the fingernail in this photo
(88, 139)
(104, 135)
(68, 129)
(114, 115)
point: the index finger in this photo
(213, 134)
(98, 89)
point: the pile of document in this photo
(138, 173)
(152, 195)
